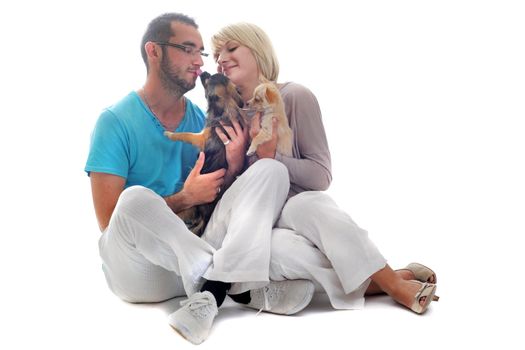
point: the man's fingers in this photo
(198, 165)
(217, 174)
(218, 183)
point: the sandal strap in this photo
(427, 290)
(421, 272)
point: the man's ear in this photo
(205, 77)
(152, 50)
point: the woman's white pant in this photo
(149, 255)
(314, 239)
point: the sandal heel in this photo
(427, 291)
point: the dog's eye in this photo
(213, 98)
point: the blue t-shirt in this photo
(128, 141)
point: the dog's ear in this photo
(233, 92)
(271, 94)
(205, 77)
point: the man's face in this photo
(179, 68)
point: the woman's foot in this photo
(414, 295)
(374, 289)
(413, 271)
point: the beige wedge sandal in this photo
(421, 273)
(428, 291)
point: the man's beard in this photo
(171, 81)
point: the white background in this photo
(423, 104)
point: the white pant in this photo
(314, 239)
(149, 255)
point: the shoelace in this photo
(198, 305)
(268, 294)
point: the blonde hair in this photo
(254, 38)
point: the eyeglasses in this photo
(187, 49)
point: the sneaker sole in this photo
(183, 331)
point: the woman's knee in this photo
(305, 204)
(272, 168)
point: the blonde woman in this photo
(313, 239)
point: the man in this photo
(140, 180)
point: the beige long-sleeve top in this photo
(310, 168)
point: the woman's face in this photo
(238, 63)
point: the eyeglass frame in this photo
(187, 49)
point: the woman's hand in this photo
(269, 148)
(235, 141)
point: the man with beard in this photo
(141, 179)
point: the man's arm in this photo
(198, 189)
(106, 189)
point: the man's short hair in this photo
(159, 29)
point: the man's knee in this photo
(134, 196)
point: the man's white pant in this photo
(314, 239)
(149, 255)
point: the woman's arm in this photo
(310, 167)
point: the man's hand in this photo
(267, 149)
(198, 188)
(236, 142)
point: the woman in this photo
(314, 239)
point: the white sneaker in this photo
(194, 319)
(282, 297)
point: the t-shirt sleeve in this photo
(109, 148)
